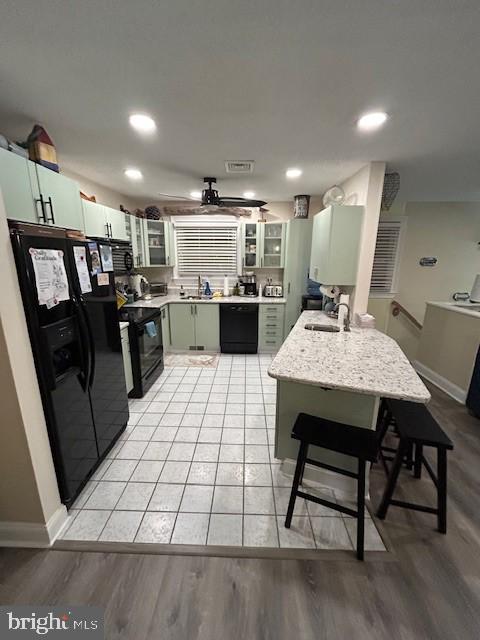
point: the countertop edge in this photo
(451, 306)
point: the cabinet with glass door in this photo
(273, 245)
(158, 243)
(138, 243)
(251, 239)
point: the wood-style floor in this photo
(430, 590)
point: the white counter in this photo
(467, 308)
(161, 301)
(363, 361)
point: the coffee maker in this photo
(249, 284)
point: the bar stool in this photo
(417, 428)
(342, 438)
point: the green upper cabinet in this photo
(297, 261)
(117, 224)
(94, 219)
(251, 239)
(158, 243)
(207, 326)
(182, 326)
(103, 222)
(138, 241)
(335, 245)
(61, 196)
(263, 244)
(18, 195)
(273, 245)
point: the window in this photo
(207, 249)
(387, 257)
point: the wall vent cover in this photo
(239, 166)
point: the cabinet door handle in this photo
(196, 310)
(50, 204)
(106, 227)
(288, 288)
(42, 217)
(191, 309)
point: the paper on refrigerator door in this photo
(50, 276)
(80, 254)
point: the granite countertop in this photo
(161, 301)
(466, 308)
(361, 361)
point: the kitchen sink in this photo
(331, 328)
(192, 298)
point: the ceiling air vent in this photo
(239, 166)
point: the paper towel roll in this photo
(475, 295)
(226, 290)
(342, 311)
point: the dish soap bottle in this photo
(207, 290)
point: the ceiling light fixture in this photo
(293, 173)
(196, 195)
(372, 121)
(249, 195)
(142, 123)
(133, 174)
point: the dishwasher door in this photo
(239, 328)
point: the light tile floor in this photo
(196, 466)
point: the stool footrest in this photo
(329, 467)
(327, 503)
(414, 506)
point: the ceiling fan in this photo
(212, 202)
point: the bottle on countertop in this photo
(236, 289)
(182, 291)
(207, 291)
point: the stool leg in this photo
(442, 489)
(361, 509)
(417, 469)
(392, 480)
(302, 454)
(409, 456)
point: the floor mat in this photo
(191, 360)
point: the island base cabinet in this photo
(207, 327)
(182, 326)
(341, 406)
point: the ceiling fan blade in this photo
(240, 202)
(170, 195)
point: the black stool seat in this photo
(336, 436)
(357, 442)
(415, 423)
(417, 428)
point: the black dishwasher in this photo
(239, 328)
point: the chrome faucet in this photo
(199, 287)
(346, 322)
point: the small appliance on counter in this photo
(249, 283)
(139, 285)
(158, 289)
(271, 290)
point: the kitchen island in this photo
(340, 376)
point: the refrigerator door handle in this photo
(85, 374)
(92, 344)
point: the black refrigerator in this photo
(71, 310)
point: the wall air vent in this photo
(239, 166)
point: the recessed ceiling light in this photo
(293, 173)
(196, 195)
(372, 121)
(249, 194)
(133, 174)
(142, 123)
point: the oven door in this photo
(150, 347)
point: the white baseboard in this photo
(33, 534)
(325, 478)
(451, 389)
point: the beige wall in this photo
(449, 231)
(28, 487)
(365, 188)
(448, 345)
(104, 195)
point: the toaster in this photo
(273, 291)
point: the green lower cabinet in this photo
(270, 327)
(207, 326)
(194, 326)
(182, 325)
(166, 328)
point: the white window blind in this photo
(206, 249)
(387, 252)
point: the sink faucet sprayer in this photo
(346, 321)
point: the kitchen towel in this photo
(151, 329)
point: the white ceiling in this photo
(277, 81)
